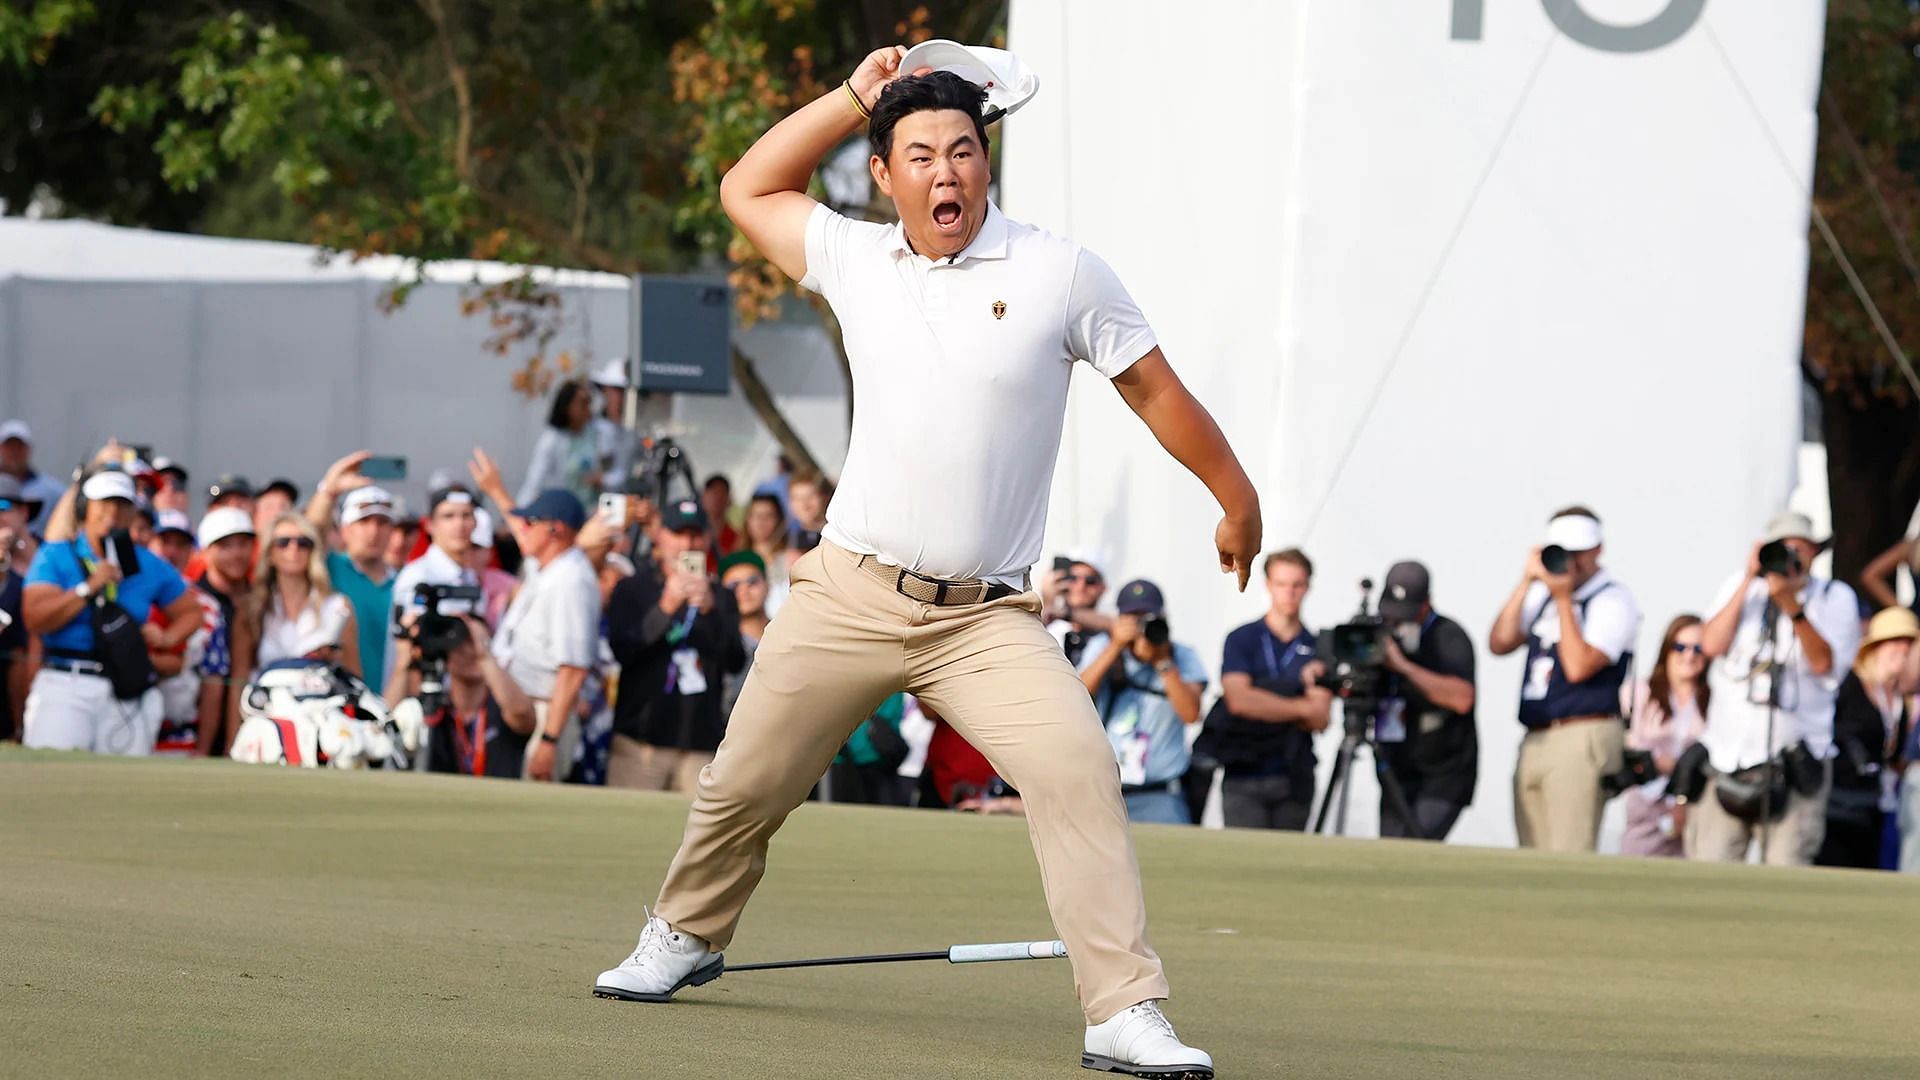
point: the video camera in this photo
(437, 632)
(662, 462)
(1357, 652)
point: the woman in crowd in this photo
(1878, 577)
(1669, 712)
(294, 606)
(567, 454)
(1870, 719)
(767, 537)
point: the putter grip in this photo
(1009, 950)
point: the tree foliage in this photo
(1867, 190)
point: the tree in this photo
(589, 133)
(1863, 315)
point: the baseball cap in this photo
(284, 486)
(229, 484)
(1790, 525)
(224, 522)
(1575, 532)
(742, 558)
(164, 464)
(554, 504)
(1008, 83)
(108, 484)
(612, 373)
(1406, 588)
(16, 429)
(482, 528)
(366, 502)
(1140, 597)
(452, 493)
(167, 521)
(683, 515)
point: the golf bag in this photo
(308, 713)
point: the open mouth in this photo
(946, 216)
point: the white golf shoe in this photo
(1140, 1042)
(665, 962)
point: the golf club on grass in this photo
(956, 954)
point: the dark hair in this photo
(717, 478)
(1288, 557)
(1659, 686)
(563, 401)
(1575, 510)
(934, 91)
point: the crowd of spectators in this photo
(609, 634)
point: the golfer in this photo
(961, 327)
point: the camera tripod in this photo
(1357, 715)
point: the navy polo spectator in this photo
(1577, 625)
(1262, 729)
(72, 705)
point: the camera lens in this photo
(1553, 559)
(1156, 631)
(1777, 558)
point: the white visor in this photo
(108, 484)
(1575, 532)
(1008, 83)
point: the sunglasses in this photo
(1084, 579)
(300, 542)
(1681, 648)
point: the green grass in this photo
(198, 918)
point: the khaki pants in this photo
(1557, 799)
(1713, 835)
(842, 644)
(645, 767)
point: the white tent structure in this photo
(257, 358)
(1437, 272)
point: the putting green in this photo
(176, 918)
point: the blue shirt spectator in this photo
(64, 566)
(1147, 736)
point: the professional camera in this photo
(1156, 631)
(1777, 558)
(1357, 650)
(1555, 559)
(437, 632)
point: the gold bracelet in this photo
(865, 114)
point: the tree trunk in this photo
(1873, 474)
(768, 410)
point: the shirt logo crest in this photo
(999, 309)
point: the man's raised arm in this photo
(765, 193)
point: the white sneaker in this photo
(1140, 1042)
(664, 962)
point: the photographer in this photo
(1426, 735)
(449, 523)
(482, 726)
(676, 635)
(1578, 626)
(1785, 640)
(1262, 729)
(1147, 689)
(78, 700)
(1071, 598)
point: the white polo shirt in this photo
(1736, 731)
(960, 370)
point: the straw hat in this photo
(1892, 624)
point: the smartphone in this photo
(141, 453)
(124, 552)
(384, 468)
(693, 562)
(613, 509)
(1062, 564)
